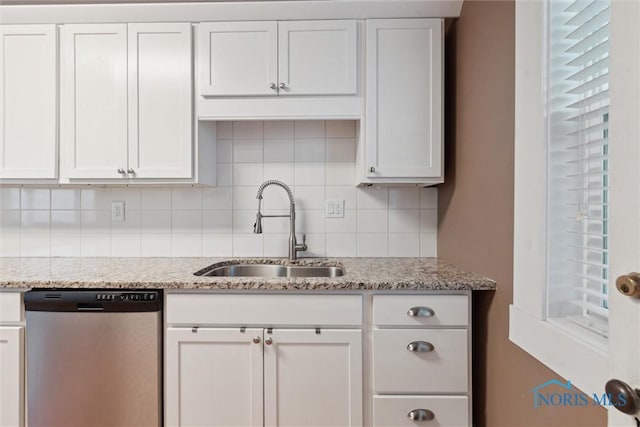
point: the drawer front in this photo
(448, 411)
(429, 310)
(443, 369)
(264, 310)
(11, 307)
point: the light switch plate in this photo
(335, 208)
(117, 211)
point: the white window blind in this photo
(578, 185)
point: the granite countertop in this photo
(177, 273)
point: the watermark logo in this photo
(565, 395)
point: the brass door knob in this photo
(623, 397)
(629, 285)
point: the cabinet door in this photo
(11, 376)
(318, 57)
(313, 379)
(213, 378)
(404, 98)
(238, 58)
(160, 100)
(93, 122)
(28, 72)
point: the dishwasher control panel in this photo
(128, 296)
(106, 300)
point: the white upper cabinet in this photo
(125, 101)
(403, 117)
(160, 116)
(28, 128)
(238, 58)
(93, 91)
(317, 57)
(278, 58)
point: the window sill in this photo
(584, 363)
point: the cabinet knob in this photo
(131, 171)
(268, 341)
(256, 340)
(421, 415)
(120, 171)
(272, 85)
(372, 169)
(420, 312)
(282, 85)
(420, 347)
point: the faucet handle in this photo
(303, 246)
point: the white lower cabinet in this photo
(11, 375)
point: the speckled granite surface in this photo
(177, 273)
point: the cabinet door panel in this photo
(313, 379)
(93, 131)
(214, 378)
(11, 376)
(28, 130)
(160, 100)
(404, 98)
(318, 57)
(238, 58)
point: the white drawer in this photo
(396, 369)
(445, 310)
(11, 309)
(448, 411)
(264, 310)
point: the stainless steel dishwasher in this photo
(94, 358)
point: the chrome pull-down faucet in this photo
(294, 246)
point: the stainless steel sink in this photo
(271, 270)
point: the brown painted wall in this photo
(476, 213)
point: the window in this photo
(559, 312)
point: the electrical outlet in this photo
(117, 211)
(335, 208)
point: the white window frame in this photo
(570, 354)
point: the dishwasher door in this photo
(94, 363)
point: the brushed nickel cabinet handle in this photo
(120, 171)
(420, 347)
(272, 85)
(282, 86)
(420, 312)
(268, 341)
(131, 171)
(421, 415)
(256, 340)
(372, 169)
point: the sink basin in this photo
(271, 270)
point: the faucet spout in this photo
(294, 247)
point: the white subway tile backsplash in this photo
(217, 198)
(373, 244)
(248, 151)
(341, 150)
(404, 221)
(63, 199)
(278, 129)
(217, 245)
(372, 198)
(249, 129)
(340, 129)
(278, 150)
(95, 199)
(315, 158)
(186, 222)
(9, 198)
(309, 150)
(309, 174)
(155, 245)
(308, 129)
(247, 174)
(155, 199)
(224, 151)
(404, 244)
(10, 244)
(32, 198)
(186, 198)
(247, 245)
(373, 221)
(341, 244)
(404, 198)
